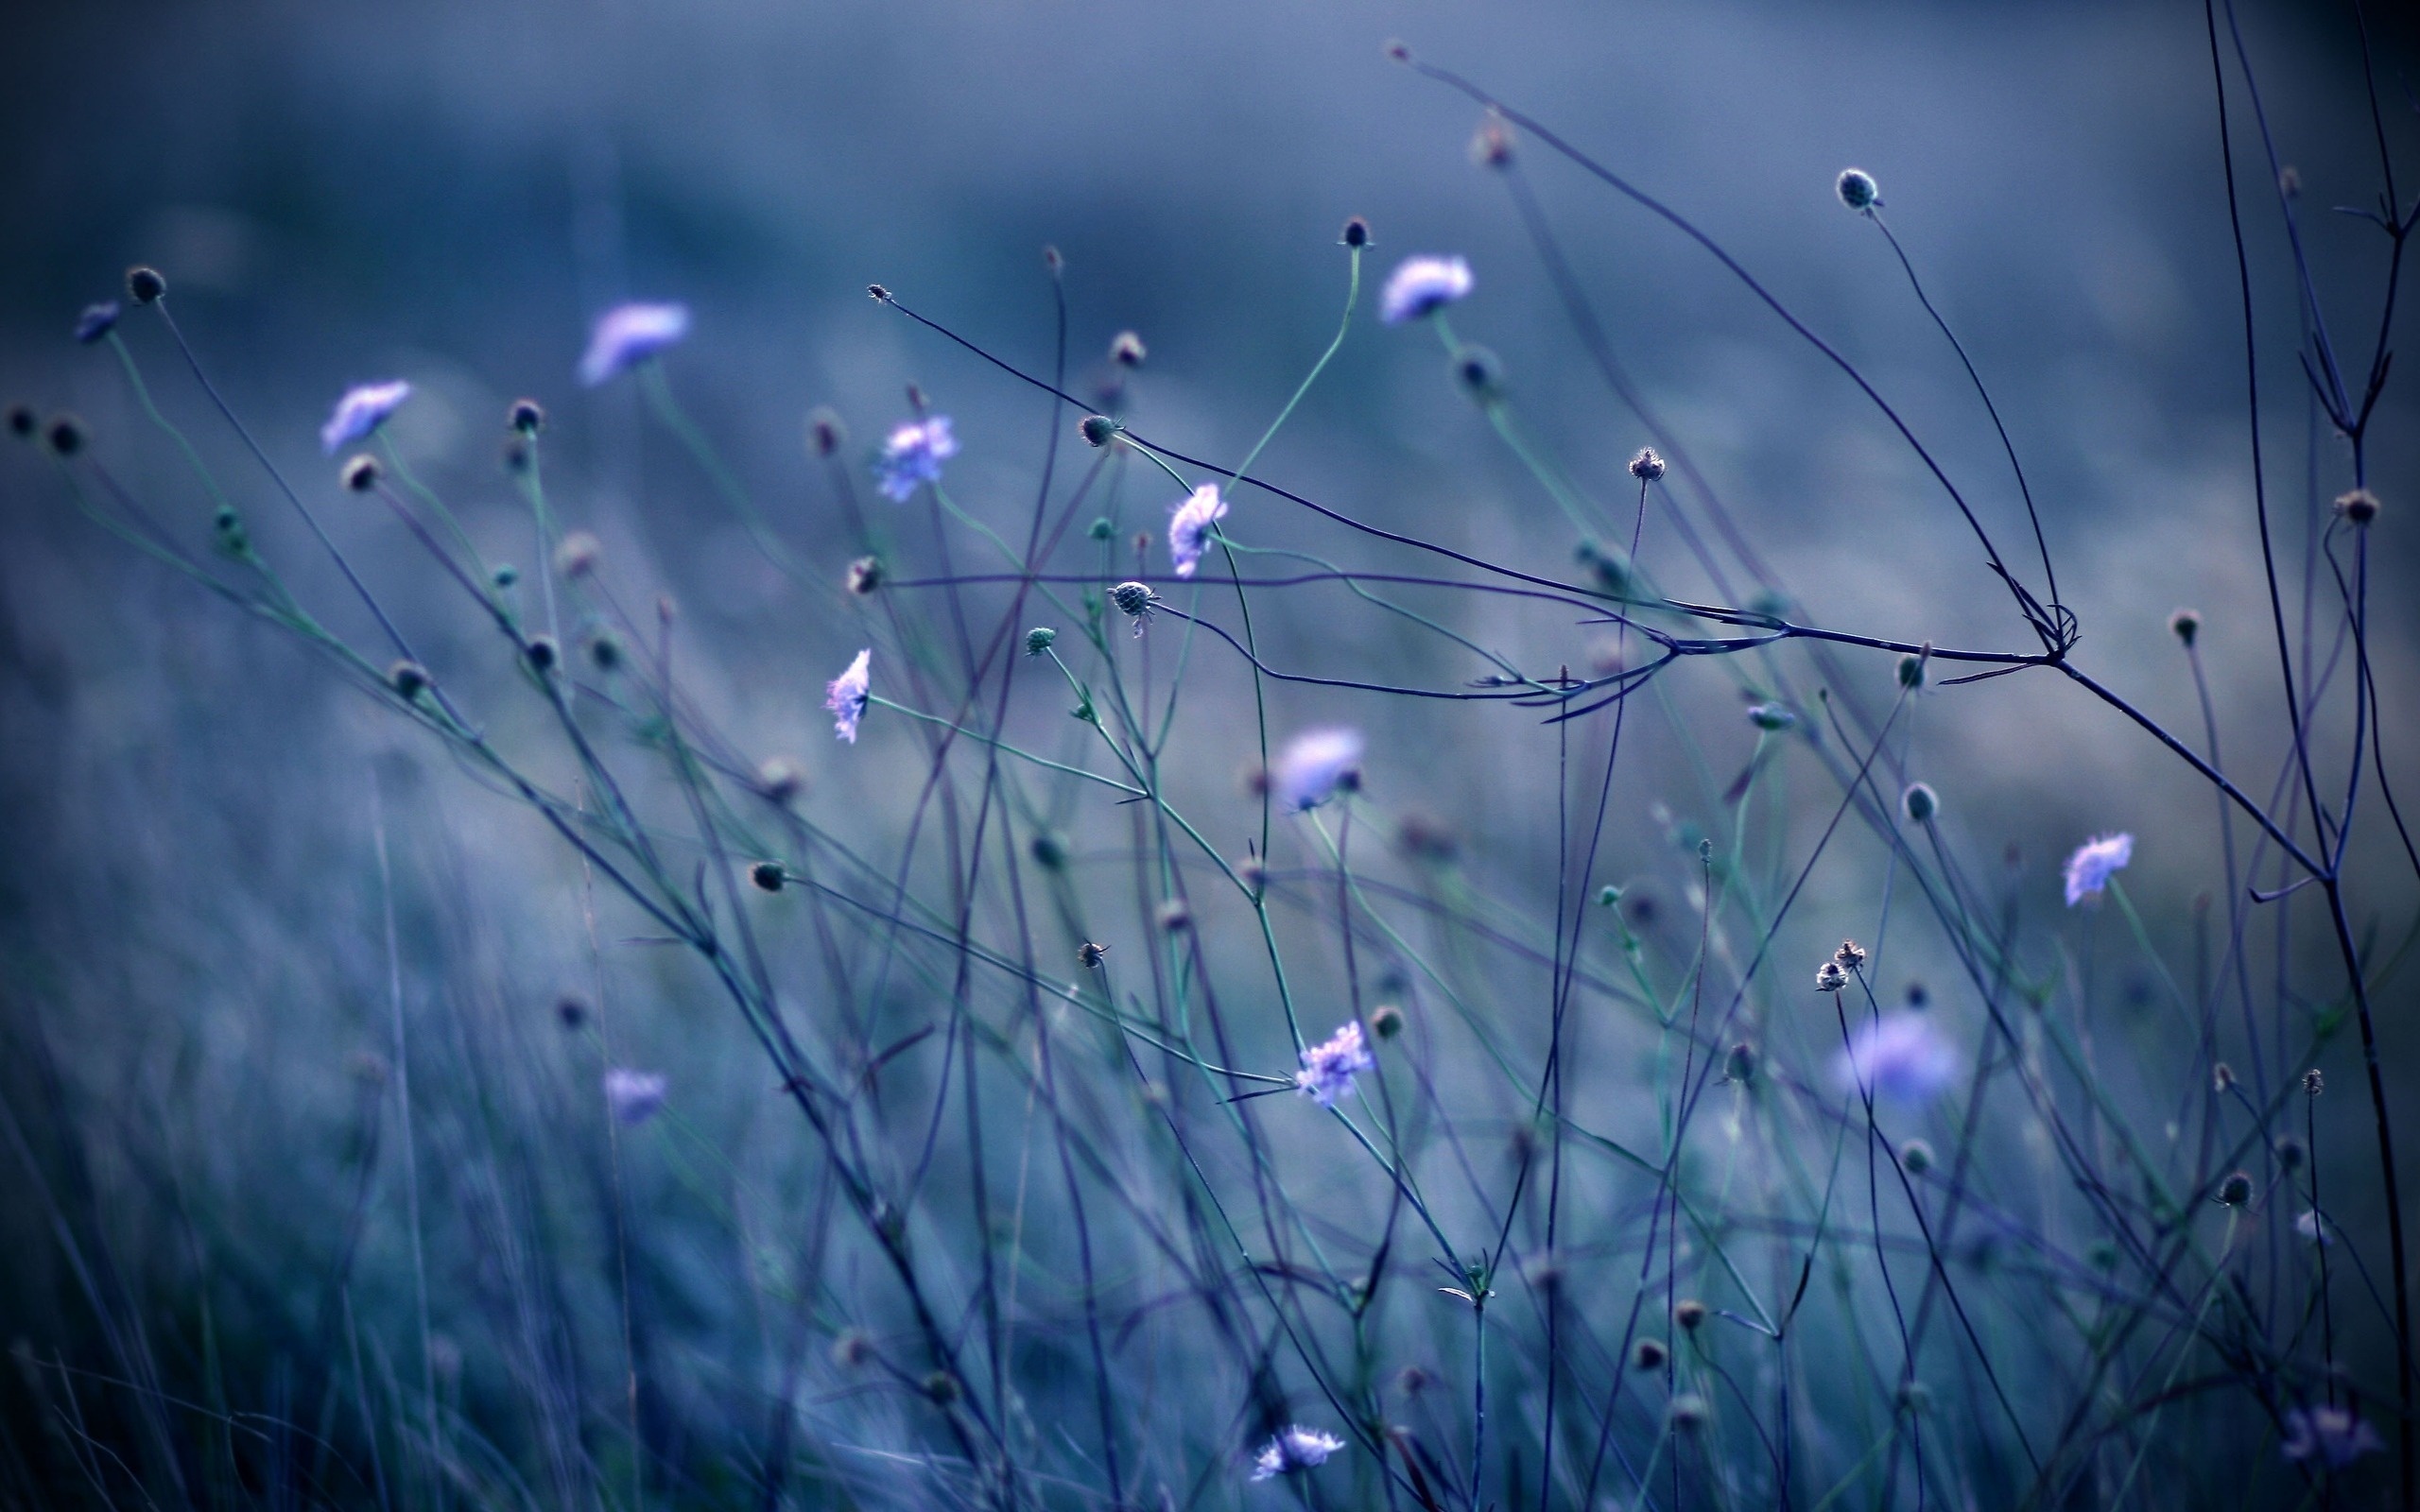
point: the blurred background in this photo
(191, 918)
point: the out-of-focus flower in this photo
(2311, 1226)
(363, 409)
(912, 454)
(627, 334)
(2095, 862)
(97, 321)
(1314, 764)
(1189, 527)
(2330, 1434)
(1900, 1054)
(633, 1095)
(1329, 1067)
(846, 696)
(1295, 1447)
(1423, 286)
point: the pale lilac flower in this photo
(97, 321)
(1328, 1068)
(912, 453)
(2332, 1433)
(363, 409)
(2095, 862)
(1189, 528)
(1315, 764)
(633, 1095)
(1421, 285)
(847, 693)
(627, 334)
(1900, 1054)
(1295, 1447)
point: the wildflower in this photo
(1423, 286)
(1040, 639)
(1920, 802)
(1097, 430)
(2184, 625)
(1293, 1447)
(362, 410)
(1189, 527)
(2332, 1433)
(97, 321)
(912, 453)
(633, 1096)
(360, 475)
(2235, 1191)
(865, 576)
(145, 286)
(768, 876)
(1830, 978)
(1386, 1021)
(1648, 1354)
(1901, 1056)
(1136, 601)
(627, 334)
(1328, 1068)
(1849, 956)
(1647, 467)
(2361, 505)
(1315, 764)
(1689, 1314)
(1858, 189)
(1125, 349)
(846, 696)
(2095, 862)
(2312, 1228)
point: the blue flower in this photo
(1295, 1447)
(1327, 1069)
(1189, 528)
(2332, 1434)
(2095, 862)
(363, 409)
(1421, 285)
(633, 1096)
(1315, 764)
(912, 454)
(97, 321)
(627, 334)
(1901, 1056)
(847, 693)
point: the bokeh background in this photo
(189, 909)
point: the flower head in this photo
(1423, 286)
(2095, 861)
(845, 695)
(97, 321)
(1294, 1447)
(1136, 601)
(1314, 764)
(2332, 1434)
(1857, 189)
(1189, 527)
(633, 1095)
(912, 454)
(627, 334)
(363, 409)
(1328, 1068)
(2311, 1226)
(1901, 1056)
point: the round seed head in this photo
(1689, 1314)
(605, 651)
(2235, 1190)
(65, 435)
(2221, 1077)
(1915, 1157)
(2184, 625)
(1097, 430)
(570, 1011)
(23, 422)
(1647, 467)
(408, 678)
(526, 416)
(1830, 978)
(1386, 1021)
(768, 875)
(1858, 189)
(825, 435)
(542, 653)
(2313, 1083)
(942, 1388)
(1920, 802)
(865, 575)
(1357, 233)
(851, 1350)
(1491, 144)
(1175, 917)
(1480, 373)
(143, 284)
(1648, 1354)
(1090, 955)
(1911, 671)
(1040, 639)
(2291, 1154)
(1686, 1413)
(2361, 505)
(360, 475)
(1050, 851)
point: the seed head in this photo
(1647, 467)
(66, 434)
(851, 1350)
(1386, 1021)
(1040, 639)
(1492, 144)
(2235, 1190)
(570, 1011)
(23, 421)
(1740, 1064)
(1911, 671)
(1100, 529)
(2313, 1083)
(1920, 802)
(541, 653)
(526, 416)
(1125, 349)
(605, 651)
(1830, 978)
(2291, 1154)
(1136, 601)
(1858, 189)
(1608, 895)
(1691, 1314)
(1480, 373)
(1849, 956)
(942, 1388)
(2184, 625)
(1050, 851)
(780, 778)
(1357, 233)
(1686, 1413)
(768, 875)
(145, 286)
(825, 435)
(865, 575)
(575, 554)
(1097, 430)
(878, 294)
(1090, 955)
(408, 678)
(505, 574)
(360, 475)
(1648, 1354)
(228, 525)
(1915, 1157)
(1175, 917)
(2359, 505)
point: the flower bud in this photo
(768, 876)
(1920, 802)
(408, 678)
(1689, 1314)
(1648, 1354)
(1040, 639)
(1915, 1157)
(145, 284)
(1357, 233)
(575, 554)
(1386, 1021)
(1097, 430)
(2235, 1190)
(360, 475)
(1858, 189)
(527, 417)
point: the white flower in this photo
(1189, 528)
(1295, 1447)
(627, 334)
(363, 409)
(2095, 862)
(1421, 285)
(846, 695)
(1315, 764)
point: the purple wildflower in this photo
(912, 453)
(1294, 1447)
(363, 409)
(627, 334)
(1423, 286)
(2095, 862)
(1189, 528)
(1327, 1069)
(633, 1095)
(846, 696)
(97, 321)
(1900, 1054)
(1314, 764)
(2332, 1433)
